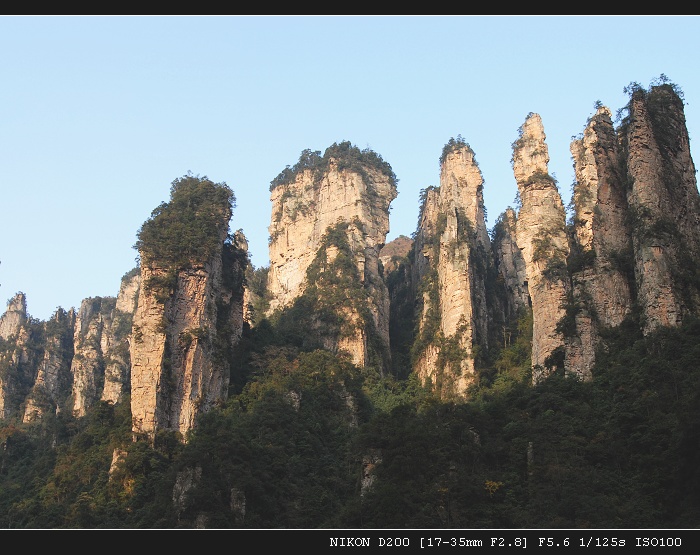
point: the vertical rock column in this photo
(148, 355)
(602, 243)
(14, 317)
(664, 206)
(541, 236)
(190, 309)
(175, 375)
(15, 355)
(52, 387)
(90, 344)
(117, 366)
(511, 265)
(452, 256)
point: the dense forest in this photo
(621, 450)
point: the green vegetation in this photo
(618, 451)
(186, 231)
(335, 303)
(453, 145)
(345, 154)
(545, 248)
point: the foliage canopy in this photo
(189, 228)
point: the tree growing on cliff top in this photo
(347, 155)
(186, 230)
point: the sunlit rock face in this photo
(101, 363)
(452, 254)
(175, 373)
(117, 372)
(189, 313)
(315, 202)
(15, 316)
(541, 236)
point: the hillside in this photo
(539, 374)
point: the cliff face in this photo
(92, 342)
(663, 206)
(510, 264)
(15, 316)
(324, 207)
(601, 243)
(452, 251)
(117, 375)
(16, 355)
(541, 237)
(35, 361)
(101, 363)
(189, 311)
(51, 390)
(173, 375)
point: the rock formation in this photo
(330, 217)
(91, 343)
(190, 308)
(16, 355)
(117, 363)
(510, 265)
(101, 363)
(436, 302)
(15, 316)
(452, 255)
(51, 390)
(601, 242)
(664, 207)
(541, 236)
(394, 252)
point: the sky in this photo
(100, 114)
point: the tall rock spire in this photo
(15, 316)
(541, 236)
(16, 364)
(189, 307)
(510, 265)
(452, 258)
(51, 390)
(664, 206)
(101, 366)
(600, 261)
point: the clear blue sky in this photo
(98, 115)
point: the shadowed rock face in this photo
(35, 362)
(541, 236)
(510, 264)
(51, 390)
(601, 287)
(15, 357)
(304, 209)
(452, 254)
(663, 205)
(101, 364)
